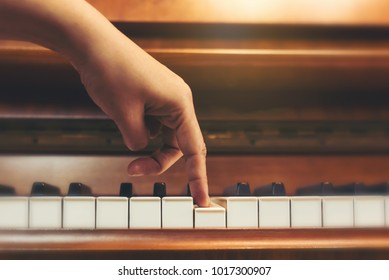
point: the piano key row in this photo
(87, 212)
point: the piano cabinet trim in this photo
(193, 239)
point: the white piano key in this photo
(13, 212)
(145, 212)
(79, 212)
(45, 212)
(177, 212)
(338, 211)
(210, 217)
(274, 212)
(111, 212)
(242, 211)
(305, 212)
(369, 211)
(387, 211)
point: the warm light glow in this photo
(268, 10)
(373, 12)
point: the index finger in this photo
(191, 142)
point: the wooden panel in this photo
(272, 84)
(349, 12)
(335, 244)
(103, 174)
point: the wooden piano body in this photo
(297, 94)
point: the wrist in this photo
(85, 35)
(73, 28)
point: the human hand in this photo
(140, 94)
(143, 96)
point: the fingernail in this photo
(134, 171)
(135, 174)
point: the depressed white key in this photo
(242, 211)
(112, 212)
(274, 212)
(305, 212)
(145, 212)
(13, 212)
(79, 212)
(338, 211)
(369, 211)
(177, 212)
(45, 212)
(210, 217)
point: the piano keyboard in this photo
(268, 207)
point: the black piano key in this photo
(240, 189)
(378, 189)
(7, 190)
(188, 192)
(159, 189)
(273, 189)
(44, 189)
(323, 188)
(355, 188)
(79, 189)
(126, 190)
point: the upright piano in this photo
(292, 92)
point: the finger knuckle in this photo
(203, 150)
(185, 92)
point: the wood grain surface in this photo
(196, 244)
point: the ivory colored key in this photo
(338, 208)
(273, 206)
(177, 212)
(387, 211)
(210, 217)
(145, 212)
(45, 212)
(13, 209)
(274, 212)
(241, 208)
(305, 212)
(79, 212)
(382, 189)
(338, 211)
(13, 212)
(45, 207)
(306, 208)
(242, 211)
(112, 212)
(369, 211)
(79, 208)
